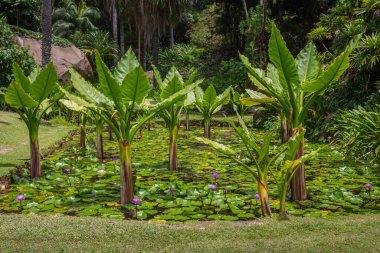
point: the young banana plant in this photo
(120, 97)
(173, 83)
(294, 84)
(29, 97)
(208, 103)
(97, 119)
(261, 161)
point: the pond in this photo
(335, 183)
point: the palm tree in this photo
(46, 31)
(71, 17)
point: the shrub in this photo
(358, 131)
(9, 53)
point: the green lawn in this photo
(32, 233)
(14, 142)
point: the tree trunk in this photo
(46, 31)
(126, 181)
(110, 136)
(298, 184)
(245, 9)
(35, 166)
(207, 128)
(171, 35)
(122, 37)
(264, 4)
(99, 142)
(139, 46)
(114, 21)
(264, 198)
(187, 124)
(173, 161)
(155, 50)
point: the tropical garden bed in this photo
(75, 183)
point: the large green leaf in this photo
(170, 75)
(72, 105)
(77, 100)
(281, 57)
(89, 92)
(219, 147)
(308, 62)
(172, 87)
(44, 84)
(209, 98)
(158, 77)
(126, 64)
(334, 71)
(107, 82)
(175, 97)
(221, 99)
(16, 97)
(135, 86)
(256, 98)
(21, 78)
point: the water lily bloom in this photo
(256, 196)
(171, 189)
(215, 175)
(136, 201)
(368, 186)
(115, 159)
(20, 197)
(225, 191)
(212, 187)
(261, 143)
(67, 170)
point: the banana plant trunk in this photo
(35, 166)
(99, 142)
(298, 184)
(187, 124)
(284, 129)
(283, 214)
(126, 181)
(82, 140)
(173, 160)
(264, 198)
(207, 128)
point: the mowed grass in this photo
(32, 233)
(14, 140)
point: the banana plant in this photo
(119, 99)
(96, 118)
(261, 162)
(294, 84)
(208, 103)
(173, 83)
(29, 97)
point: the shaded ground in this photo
(32, 233)
(14, 142)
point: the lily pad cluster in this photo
(208, 185)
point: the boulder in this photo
(63, 58)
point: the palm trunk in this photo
(99, 142)
(155, 49)
(187, 120)
(262, 33)
(139, 46)
(171, 35)
(264, 198)
(298, 184)
(173, 161)
(46, 31)
(207, 128)
(126, 181)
